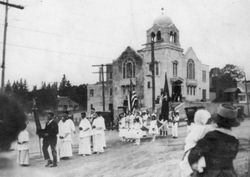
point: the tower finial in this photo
(162, 10)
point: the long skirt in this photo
(175, 129)
(65, 149)
(98, 143)
(84, 146)
(23, 157)
(104, 140)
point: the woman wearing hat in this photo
(219, 147)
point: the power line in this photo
(62, 36)
(53, 51)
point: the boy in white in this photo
(197, 131)
(98, 131)
(23, 148)
(84, 136)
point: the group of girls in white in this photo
(134, 126)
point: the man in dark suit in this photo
(50, 139)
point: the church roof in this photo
(163, 20)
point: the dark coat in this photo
(219, 150)
(52, 129)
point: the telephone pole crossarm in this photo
(12, 5)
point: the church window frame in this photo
(175, 68)
(91, 92)
(149, 84)
(110, 92)
(204, 76)
(190, 69)
(157, 69)
(128, 69)
(158, 36)
(172, 37)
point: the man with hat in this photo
(219, 147)
(50, 139)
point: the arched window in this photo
(152, 36)
(175, 68)
(158, 36)
(172, 37)
(124, 70)
(128, 69)
(190, 69)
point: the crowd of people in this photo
(210, 145)
(58, 138)
(134, 126)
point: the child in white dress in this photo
(137, 131)
(23, 148)
(197, 131)
(153, 128)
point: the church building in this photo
(188, 78)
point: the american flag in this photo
(132, 98)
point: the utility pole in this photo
(153, 70)
(5, 37)
(247, 94)
(102, 80)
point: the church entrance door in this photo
(176, 91)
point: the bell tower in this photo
(164, 31)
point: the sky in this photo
(50, 38)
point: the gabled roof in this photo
(130, 53)
(232, 90)
(242, 86)
(63, 100)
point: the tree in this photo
(223, 78)
(8, 88)
(234, 71)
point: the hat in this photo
(201, 116)
(50, 113)
(227, 114)
(153, 114)
(66, 112)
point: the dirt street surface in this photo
(150, 159)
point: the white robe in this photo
(84, 137)
(64, 145)
(103, 133)
(23, 148)
(98, 131)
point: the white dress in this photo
(103, 133)
(98, 131)
(122, 129)
(23, 147)
(153, 128)
(84, 137)
(64, 144)
(137, 130)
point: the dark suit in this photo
(219, 150)
(51, 129)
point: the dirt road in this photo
(150, 159)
